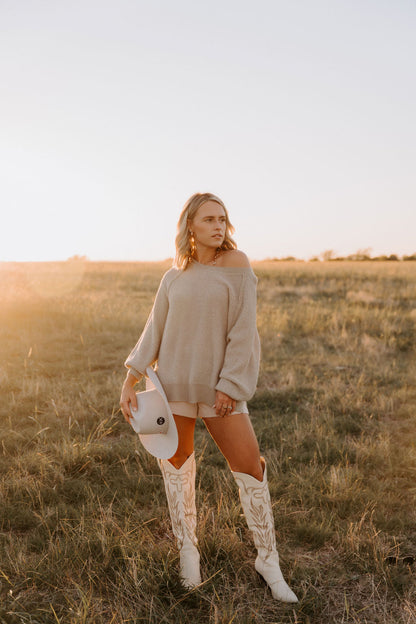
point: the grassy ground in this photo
(84, 530)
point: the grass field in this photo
(84, 530)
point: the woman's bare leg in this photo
(234, 435)
(186, 428)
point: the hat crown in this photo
(147, 419)
(153, 419)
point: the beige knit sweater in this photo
(202, 333)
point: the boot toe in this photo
(272, 574)
(189, 567)
(281, 591)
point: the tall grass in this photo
(84, 530)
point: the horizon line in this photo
(326, 256)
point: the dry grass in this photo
(84, 531)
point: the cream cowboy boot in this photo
(255, 500)
(180, 492)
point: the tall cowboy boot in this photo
(255, 500)
(180, 492)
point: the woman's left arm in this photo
(238, 377)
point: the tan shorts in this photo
(193, 410)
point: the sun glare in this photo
(45, 279)
(52, 279)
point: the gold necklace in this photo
(217, 253)
(214, 260)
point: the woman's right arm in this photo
(146, 350)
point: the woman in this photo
(202, 334)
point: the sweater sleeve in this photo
(238, 377)
(146, 351)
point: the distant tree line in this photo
(359, 256)
(78, 258)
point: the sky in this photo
(299, 114)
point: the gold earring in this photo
(192, 243)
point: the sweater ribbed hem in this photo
(191, 393)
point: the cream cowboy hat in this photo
(153, 419)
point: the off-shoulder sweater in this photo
(202, 333)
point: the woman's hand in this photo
(224, 404)
(128, 397)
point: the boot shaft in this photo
(257, 507)
(180, 494)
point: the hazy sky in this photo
(299, 114)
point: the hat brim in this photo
(161, 445)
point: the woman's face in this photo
(209, 224)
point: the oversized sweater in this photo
(202, 333)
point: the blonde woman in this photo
(202, 334)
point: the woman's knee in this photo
(179, 459)
(252, 466)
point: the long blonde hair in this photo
(182, 241)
